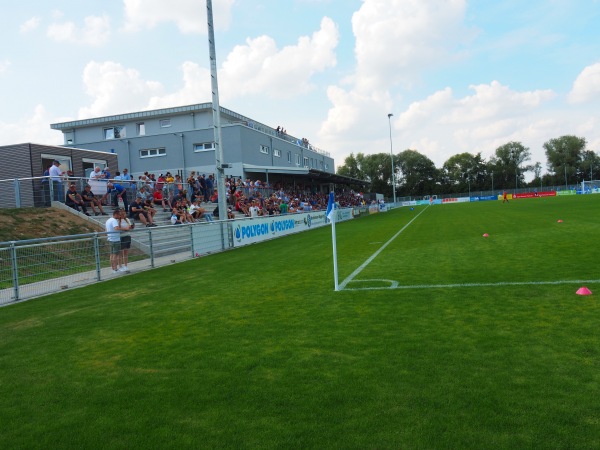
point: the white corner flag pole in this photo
(335, 268)
(331, 216)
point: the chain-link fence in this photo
(31, 268)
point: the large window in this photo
(203, 147)
(152, 152)
(264, 149)
(117, 132)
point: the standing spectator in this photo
(114, 239)
(210, 187)
(75, 201)
(125, 225)
(56, 179)
(46, 186)
(96, 182)
(117, 192)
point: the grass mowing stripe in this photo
(374, 255)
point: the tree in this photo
(465, 171)
(351, 167)
(565, 155)
(508, 165)
(419, 174)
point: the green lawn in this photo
(252, 348)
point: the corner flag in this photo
(330, 207)
(331, 217)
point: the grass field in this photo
(482, 344)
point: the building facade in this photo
(181, 140)
(24, 164)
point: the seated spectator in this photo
(159, 199)
(90, 199)
(75, 201)
(138, 212)
(143, 194)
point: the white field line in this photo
(395, 285)
(374, 255)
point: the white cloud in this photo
(30, 25)
(196, 89)
(34, 129)
(95, 31)
(188, 15)
(4, 65)
(115, 89)
(395, 41)
(259, 67)
(586, 87)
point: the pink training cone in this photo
(559, 220)
(486, 235)
(583, 291)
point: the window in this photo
(114, 132)
(290, 157)
(305, 161)
(326, 166)
(322, 164)
(164, 123)
(152, 152)
(205, 146)
(297, 159)
(264, 149)
(141, 129)
(277, 152)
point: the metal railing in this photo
(30, 268)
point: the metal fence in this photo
(31, 268)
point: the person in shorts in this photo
(113, 236)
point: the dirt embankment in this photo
(33, 223)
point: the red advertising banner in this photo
(535, 194)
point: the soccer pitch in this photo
(439, 338)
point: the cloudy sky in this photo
(457, 75)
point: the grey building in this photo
(24, 164)
(180, 140)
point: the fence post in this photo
(192, 239)
(15, 269)
(151, 247)
(97, 256)
(17, 193)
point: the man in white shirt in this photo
(56, 178)
(114, 239)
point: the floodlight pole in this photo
(392, 156)
(216, 109)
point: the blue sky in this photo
(459, 76)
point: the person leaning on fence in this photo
(90, 199)
(75, 201)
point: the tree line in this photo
(568, 162)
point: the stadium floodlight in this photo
(392, 156)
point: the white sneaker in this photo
(114, 271)
(123, 269)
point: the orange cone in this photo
(583, 291)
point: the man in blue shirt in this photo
(118, 191)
